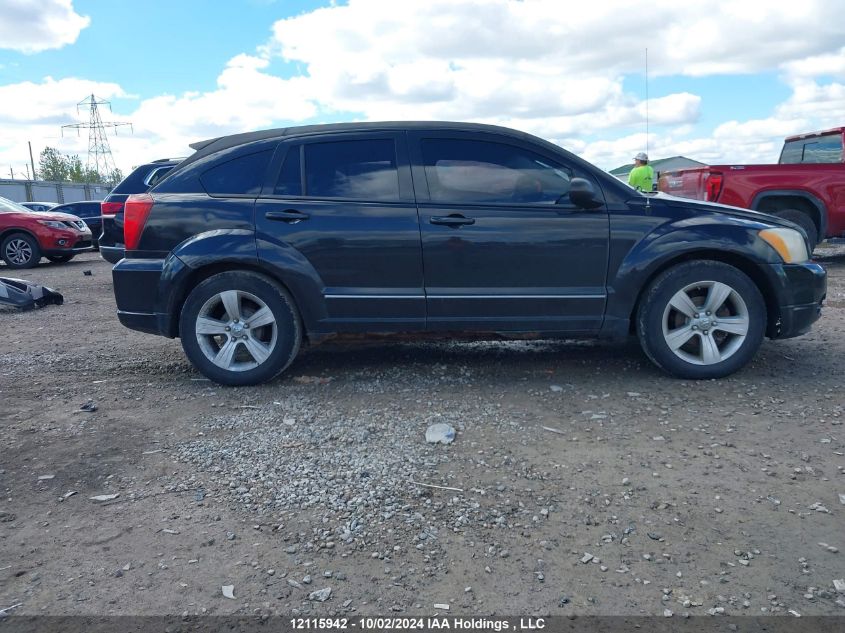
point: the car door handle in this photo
(286, 216)
(452, 220)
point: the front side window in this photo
(469, 171)
(363, 169)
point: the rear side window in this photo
(826, 149)
(364, 169)
(823, 149)
(469, 171)
(156, 175)
(135, 182)
(240, 176)
(290, 177)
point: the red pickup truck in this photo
(807, 186)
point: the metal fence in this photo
(47, 191)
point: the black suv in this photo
(111, 209)
(260, 240)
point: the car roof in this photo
(247, 137)
(212, 145)
(798, 137)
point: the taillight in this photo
(712, 186)
(135, 213)
(111, 208)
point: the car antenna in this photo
(646, 100)
(647, 198)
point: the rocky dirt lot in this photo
(581, 480)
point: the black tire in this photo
(281, 339)
(59, 259)
(805, 222)
(20, 250)
(696, 358)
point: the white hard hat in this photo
(641, 156)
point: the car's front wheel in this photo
(20, 250)
(701, 319)
(240, 328)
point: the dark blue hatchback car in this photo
(261, 240)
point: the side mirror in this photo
(583, 194)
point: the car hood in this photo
(715, 207)
(35, 216)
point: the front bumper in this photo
(79, 247)
(802, 292)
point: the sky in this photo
(726, 81)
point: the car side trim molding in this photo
(517, 296)
(375, 296)
(466, 296)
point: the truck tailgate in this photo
(684, 183)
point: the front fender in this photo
(726, 238)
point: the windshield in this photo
(7, 206)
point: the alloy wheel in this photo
(18, 252)
(705, 322)
(236, 330)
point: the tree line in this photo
(55, 166)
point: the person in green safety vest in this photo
(641, 177)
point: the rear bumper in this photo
(141, 321)
(804, 287)
(111, 254)
(136, 291)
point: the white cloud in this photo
(50, 100)
(32, 26)
(829, 64)
(540, 65)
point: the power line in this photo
(100, 158)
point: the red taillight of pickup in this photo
(111, 208)
(712, 186)
(135, 213)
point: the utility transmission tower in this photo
(99, 153)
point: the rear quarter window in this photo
(240, 176)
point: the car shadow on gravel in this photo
(483, 355)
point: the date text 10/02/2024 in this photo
(419, 624)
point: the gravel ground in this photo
(580, 481)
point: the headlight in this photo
(53, 224)
(789, 244)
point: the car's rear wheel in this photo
(701, 319)
(240, 328)
(60, 259)
(20, 250)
